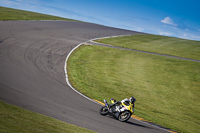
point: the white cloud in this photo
(190, 36)
(168, 20)
(165, 33)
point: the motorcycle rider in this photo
(126, 101)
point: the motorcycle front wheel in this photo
(103, 110)
(124, 116)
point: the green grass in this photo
(158, 44)
(17, 120)
(167, 89)
(15, 14)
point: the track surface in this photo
(32, 57)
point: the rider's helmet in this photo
(132, 100)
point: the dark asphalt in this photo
(32, 58)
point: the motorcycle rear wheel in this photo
(103, 110)
(124, 116)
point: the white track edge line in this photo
(66, 73)
(67, 79)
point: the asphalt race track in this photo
(32, 58)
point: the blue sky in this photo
(177, 18)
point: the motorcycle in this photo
(120, 111)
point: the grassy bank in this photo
(158, 44)
(167, 89)
(15, 14)
(17, 120)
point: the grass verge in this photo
(17, 120)
(157, 44)
(15, 14)
(167, 89)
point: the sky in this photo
(176, 18)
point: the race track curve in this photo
(32, 57)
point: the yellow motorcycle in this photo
(119, 110)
